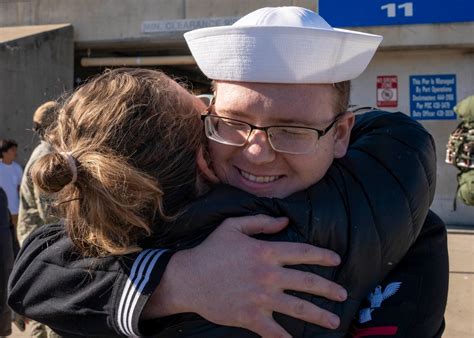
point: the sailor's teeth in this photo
(258, 179)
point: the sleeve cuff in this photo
(143, 278)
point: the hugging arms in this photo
(383, 229)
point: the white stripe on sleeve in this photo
(139, 277)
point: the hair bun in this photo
(52, 172)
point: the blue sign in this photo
(433, 97)
(347, 13)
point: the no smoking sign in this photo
(387, 91)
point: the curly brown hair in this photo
(133, 135)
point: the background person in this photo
(35, 208)
(6, 264)
(10, 176)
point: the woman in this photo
(120, 173)
(129, 165)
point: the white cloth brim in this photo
(276, 54)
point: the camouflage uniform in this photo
(35, 210)
(35, 207)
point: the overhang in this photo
(15, 33)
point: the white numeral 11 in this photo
(392, 9)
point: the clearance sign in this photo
(387, 91)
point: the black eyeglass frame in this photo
(320, 132)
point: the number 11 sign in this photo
(350, 13)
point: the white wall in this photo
(425, 62)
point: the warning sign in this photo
(387, 91)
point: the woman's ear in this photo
(343, 134)
(204, 168)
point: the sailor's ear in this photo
(342, 134)
(204, 167)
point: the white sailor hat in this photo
(281, 45)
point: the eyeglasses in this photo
(283, 139)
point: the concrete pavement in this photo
(460, 309)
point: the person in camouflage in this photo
(35, 208)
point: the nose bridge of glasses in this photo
(259, 140)
(256, 132)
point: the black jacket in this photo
(370, 208)
(6, 261)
